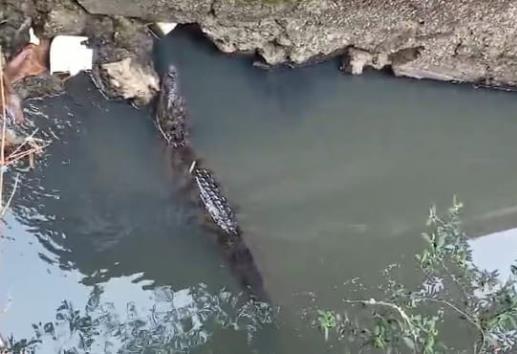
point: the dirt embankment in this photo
(452, 40)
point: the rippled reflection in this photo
(172, 321)
(104, 200)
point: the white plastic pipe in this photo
(69, 54)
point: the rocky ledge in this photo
(452, 40)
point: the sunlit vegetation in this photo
(454, 293)
(178, 322)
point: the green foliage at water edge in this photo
(453, 288)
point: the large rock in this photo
(461, 40)
(131, 80)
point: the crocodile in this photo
(171, 113)
(171, 120)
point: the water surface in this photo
(332, 176)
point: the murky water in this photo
(103, 227)
(332, 175)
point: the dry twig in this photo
(25, 149)
(4, 125)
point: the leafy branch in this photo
(451, 285)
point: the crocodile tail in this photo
(243, 265)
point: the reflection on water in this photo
(496, 252)
(168, 321)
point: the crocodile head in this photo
(171, 114)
